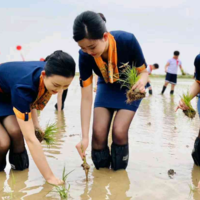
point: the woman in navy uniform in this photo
(24, 88)
(194, 91)
(104, 52)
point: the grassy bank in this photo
(188, 76)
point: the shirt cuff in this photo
(23, 116)
(86, 82)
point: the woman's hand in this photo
(182, 105)
(39, 133)
(81, 147)
(139, 86)
(55, 181)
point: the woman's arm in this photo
(35, 118)
(86, 106)
(36, 151)
(194, 90)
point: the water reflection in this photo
(170, 133)
(14, 185)
(195, 180)
(59, 137)
(108, 184)
(151, 148)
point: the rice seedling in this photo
(85, 166)
(187, 100)
(129, 77)
(193, 189)
(64, 175)
(49, 134)
(61, 189)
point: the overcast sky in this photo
(43, 26)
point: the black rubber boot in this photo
(196, 152)
(150, 92)
(2, 166)
(101, 158)
(163, 90)
(119, 156)
(172, 92)
(19, 161)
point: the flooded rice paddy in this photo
(159, 139)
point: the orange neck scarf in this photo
(109, 71)
(42, 98)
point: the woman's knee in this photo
(99, 137)
(15, 132)
(120, 135)
(4, 144)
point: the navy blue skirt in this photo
(171, 78)
(113, 96)
(6, 107)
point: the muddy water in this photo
(159, 138)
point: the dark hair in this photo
(102, 16)
(88, 25)
(197, 61)
(176, 53)
(60, 63)
(156, 65)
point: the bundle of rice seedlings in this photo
(182, 71)
(130, 78)
(187, 100)
(85, 165)
(49, 134)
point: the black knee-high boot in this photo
(196, 152)
(172, 92)
(19, 161)
(119, 156)
(163, 90)
(64, 95)
(101, 158)
(3, 165)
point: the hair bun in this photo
(102, 16)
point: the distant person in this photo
(61, 100)
(171, 69)
(150, 68)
